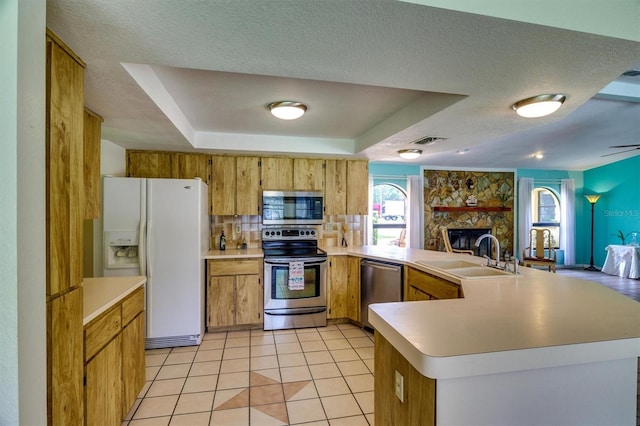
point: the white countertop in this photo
(234, 253)
(535, 320)
(101, 293)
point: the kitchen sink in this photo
(448, 264)
(479, 272)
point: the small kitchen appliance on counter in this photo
(294, 279)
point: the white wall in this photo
(113, 163)
(22, 215)
(112, 159)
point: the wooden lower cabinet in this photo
(114, 361)
(419, 397)
(64, 358)
(343, 288)
(423, 286)
(234, 293)
(337, 285)
(353, 288)
(133, 362)
(104, 385)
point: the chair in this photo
(539, 252)
(447, 243)
(401, 241)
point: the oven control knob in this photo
(313, 232)
(278, 232)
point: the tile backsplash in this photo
(249, 228)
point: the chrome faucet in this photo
(493, 237)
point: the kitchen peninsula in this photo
(536, 348)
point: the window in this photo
(546, 213)
(389, 215)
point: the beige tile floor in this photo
(316, 376)
(312, 376)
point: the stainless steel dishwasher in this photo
(379, 282)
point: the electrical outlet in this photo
(399, 386)
(237, 229)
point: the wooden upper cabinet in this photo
(248, 191)
(150, 164)
(335, 193)
(277, 173)
(64, 172)
(223, 185)
(190, 166)
(92, 131)
(358, 187)
(308, 174)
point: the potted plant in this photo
(503, 197)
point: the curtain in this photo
(415, 212)
(368, 238)
(525, 219)
(567, 220)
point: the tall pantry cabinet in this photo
(64, 232)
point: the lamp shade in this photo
(538, 106)
(410, 154)
(592, 198)
(287, 110)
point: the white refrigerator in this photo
(160, 228)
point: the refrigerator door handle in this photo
(142, 251)
(148, 244)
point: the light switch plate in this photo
(399, 386)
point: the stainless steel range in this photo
(294, 279)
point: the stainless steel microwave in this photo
(292, 207)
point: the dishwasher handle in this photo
(379, 265)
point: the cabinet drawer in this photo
(100, 331)
(234, 267)
(132, 306)
(434, 286)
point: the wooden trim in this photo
(66, 48)
(93, 113)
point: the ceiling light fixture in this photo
(462, 151)
(287, 110)
(538, 106)
(539, 156)
(410, 154)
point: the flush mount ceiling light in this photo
(410, 154)
(287, 110)
(538, 106)
(539, 156)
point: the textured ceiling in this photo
(376, 75)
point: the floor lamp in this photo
(593, 199)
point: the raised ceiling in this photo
(377, 75)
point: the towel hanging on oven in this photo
(296, 275)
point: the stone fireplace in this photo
(465, 239)
(447, 196)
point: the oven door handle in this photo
(295, 311)
(306, 261)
